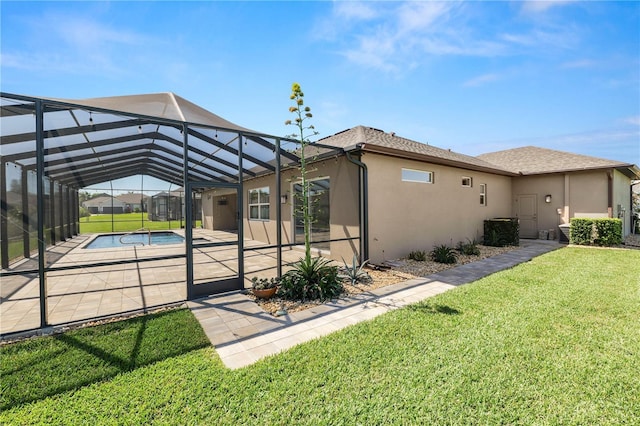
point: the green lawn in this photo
(125, 222)
(552, 341)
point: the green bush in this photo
(609, 232)
(315, 279)
(418, 255)
(581, 231)
(82, 212)
(470, 248)
(443, 254)
(501, 232)
(599, 232)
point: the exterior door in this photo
(527, 213)
(214, 251)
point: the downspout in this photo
(363, 206)
(610, 193)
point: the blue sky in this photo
(474, 77)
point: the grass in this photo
(125, 222)
(552, 341)
(42, 367)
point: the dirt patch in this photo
(400, 270)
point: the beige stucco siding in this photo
(622, 200)
(576, 194)
(406, 216)
(541, 186)
(343, 205)
(588, 196)
(219, 207)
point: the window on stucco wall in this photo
(421, 176)
(259, 203)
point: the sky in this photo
(474, 77)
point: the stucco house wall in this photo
(541, 186)
(219, 209)
(406, 216)
(588, 194)
(343, 205)
(622, 207)
(575, 194)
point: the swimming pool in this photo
(135, 239)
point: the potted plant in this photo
(264, 288)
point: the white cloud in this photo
(541, 6)
(421, 16)
(565, 37)
(582, 142)
(481, 80)
(353, 10)
(581, 63)
(79, 44)
(394, 36)
(634, 121)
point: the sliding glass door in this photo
(319, 208)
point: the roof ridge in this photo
(172, 96)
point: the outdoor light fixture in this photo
(283, 199)
(140, 129)
(547, 198)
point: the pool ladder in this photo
(133, 232)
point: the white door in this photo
(528, 214)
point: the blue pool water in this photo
(138, 239)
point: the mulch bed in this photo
(399, 270)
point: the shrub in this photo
(83, 212)
(601, 232)
(443, 254)
(355, 273)
(501, 232)
(581, 231)
(311, 280)
(470, 248)
(608, 232)
(418, 255)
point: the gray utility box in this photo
(564, 232)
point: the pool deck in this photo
(90, 291)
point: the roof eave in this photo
(377, 149)
(630, 170)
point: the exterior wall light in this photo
(283, 199)
(547, 198)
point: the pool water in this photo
(137, 239)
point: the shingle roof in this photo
(375, 140)
(131, 198)
(534, 160)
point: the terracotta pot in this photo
(264, 293)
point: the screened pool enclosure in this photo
(52, 149)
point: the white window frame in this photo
(428, 176)
(483, 194)
(260, 204)
(470, 181)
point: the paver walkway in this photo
(242, 332)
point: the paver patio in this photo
(91, 291)
(243, 333)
